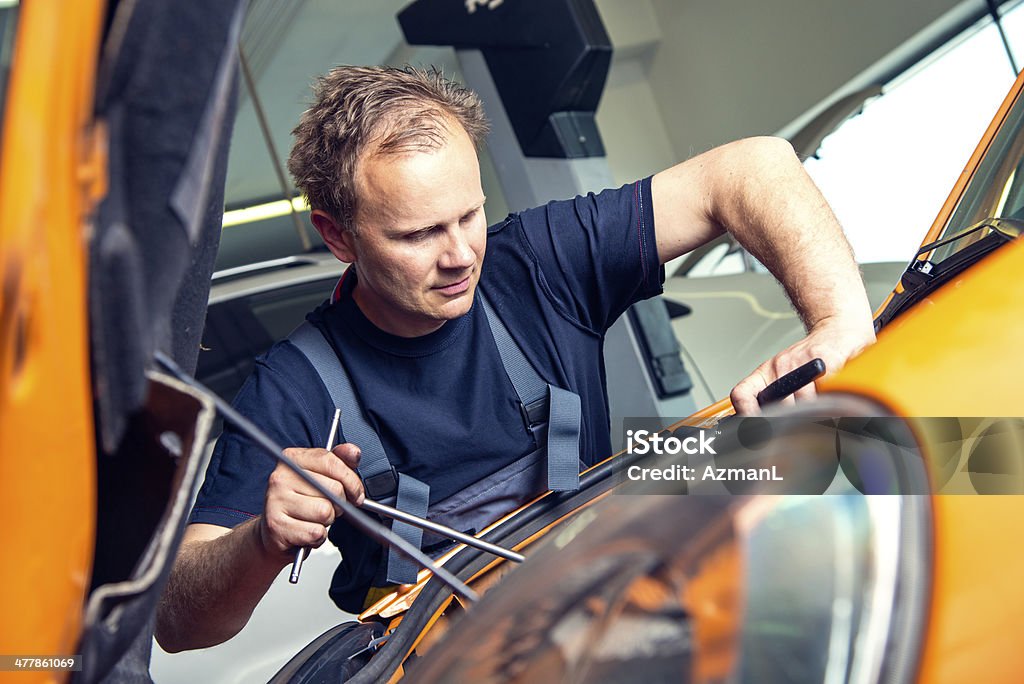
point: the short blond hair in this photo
(394, 109)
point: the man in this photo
(387, 160)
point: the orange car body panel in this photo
(958, 354)
(51, 171)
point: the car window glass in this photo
(281, 311)
(995, 189)
(8, 23)
(239, 329)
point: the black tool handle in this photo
(791, 382)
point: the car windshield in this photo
(996, 191)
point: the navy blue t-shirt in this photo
(445, 411)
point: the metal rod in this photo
(379, 533)
(286, 192)
(302, 552)
(431, 526)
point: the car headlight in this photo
(721, 587)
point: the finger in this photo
(285, 482)
(306, 458)
(335, 468)
(744, 395)
(349, 454)
(806, 393)
(302, 455)
(353, 486)
(744, 400)
(309, 535)
(309, 509)
(282, 533)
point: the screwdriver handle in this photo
(791, 382)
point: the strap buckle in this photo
(535, 413)
(382, 485)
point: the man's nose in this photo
(458, 253)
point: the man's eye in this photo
(468, 217)
(420, 235)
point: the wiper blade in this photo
(1009, 228)
(924, 276)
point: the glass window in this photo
(237, 330)
(887, 171)
(8, 22)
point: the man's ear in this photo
(335, 236)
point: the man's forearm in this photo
(758, 191)
(771, 206)
(213, 588)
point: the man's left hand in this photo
(833, 340)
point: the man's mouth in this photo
(455, 288)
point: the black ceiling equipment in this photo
(549, 60)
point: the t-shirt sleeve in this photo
(597, 253)
(273, 399)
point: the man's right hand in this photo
(220, 574)
(297, 515)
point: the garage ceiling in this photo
(713, 71)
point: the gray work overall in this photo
(551, 414)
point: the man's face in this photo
(420, 235)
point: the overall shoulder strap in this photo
(564, 410)
(373, 464)
(380, 478)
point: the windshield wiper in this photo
(924, 276)
(1009, 228)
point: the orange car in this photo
(112, 164)
(918, 581)
(99, 451)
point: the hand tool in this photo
(791, 382)
(360, 520)
(416, 521)
(302, 552)
(431, 526)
